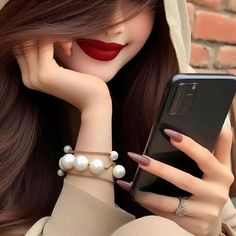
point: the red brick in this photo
(214, 4)
(215, 27)
(226, 57)
(231, 5)
(191, 10)
(200, 56)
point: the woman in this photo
(69, 49)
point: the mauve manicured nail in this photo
(178, 137)
(123, 184)
(142, 160)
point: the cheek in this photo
(141, 26)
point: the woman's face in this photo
(105, 53)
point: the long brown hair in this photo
(32, 136)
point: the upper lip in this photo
(103, 45)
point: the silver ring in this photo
(181, 209)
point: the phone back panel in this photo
(202, 121)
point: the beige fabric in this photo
(176, 15)
(151, 225)
(228, 216)
(78, 213)
(2, 3)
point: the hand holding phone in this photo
(195, 105)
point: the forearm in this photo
(95, 130)
(95, 135)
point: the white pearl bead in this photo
(118, 171)
(67, 149)
(60, 173)
(96, 166)
(113, 155)
(81, 163)
(61, 166)
(68, 161)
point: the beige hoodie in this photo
(72, 219)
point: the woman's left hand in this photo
(209, 194)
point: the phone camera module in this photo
(183, 100)
(194, 86)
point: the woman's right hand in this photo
(41, 72)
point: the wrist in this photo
(97, 112)
(97, 100)
(96, 129)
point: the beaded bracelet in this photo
(73, 159)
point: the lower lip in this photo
(98, 54)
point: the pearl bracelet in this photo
(75, 160)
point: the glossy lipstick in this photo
(99, 50)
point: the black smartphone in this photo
(195, 105)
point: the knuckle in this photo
(226, 133)
(43, 77)
(221, 197)
(212, 214)
(27, 83)
(205, 228)
(230, 178)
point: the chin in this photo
(106, 76)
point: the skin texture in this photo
(89, 94)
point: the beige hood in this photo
(177, 18)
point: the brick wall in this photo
(213, 25)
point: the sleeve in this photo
(78, 213)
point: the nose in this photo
(116, 29)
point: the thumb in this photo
(223, 144)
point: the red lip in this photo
(100, 50)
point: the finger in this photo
(161, 203)
(178, 177)
(223, 145)
(31, 55)
(46, 53)
(203, 157)
(125, 185)
(20, 57)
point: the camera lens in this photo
(176, 102)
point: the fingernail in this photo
(227, 122)
(125, 185)
(139, 158)
(178, 137)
